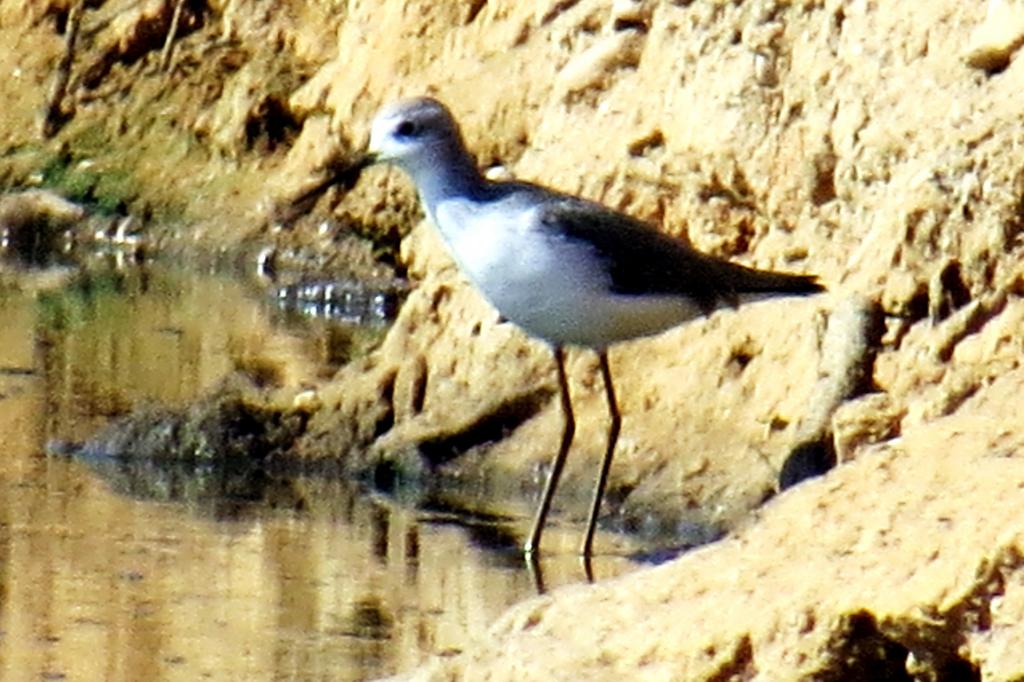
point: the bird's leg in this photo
(606, 464)
(533, 543)
(536, 573)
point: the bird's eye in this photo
(406, 129)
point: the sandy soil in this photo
(875, 145)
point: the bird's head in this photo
(412, 133)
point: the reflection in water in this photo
(119, 570)
(338, 300)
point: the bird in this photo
(566, 270)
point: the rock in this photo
(34, 223)
(995, 40)
(594, 68)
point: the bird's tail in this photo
(749, 280)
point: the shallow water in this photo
(185, 576)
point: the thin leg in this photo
(533, 543)
(606, 463)
(588, 568)
(537, 573)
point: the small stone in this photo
(872, 418)
(998, 37)
(630, 14)
(592, 68)
(307, 401)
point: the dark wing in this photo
(642, 260)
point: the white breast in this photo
(555, 288)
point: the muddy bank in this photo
(874, 146)
(876, 571)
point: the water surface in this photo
(111, 574)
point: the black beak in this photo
(344, 174)
(347, 176)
